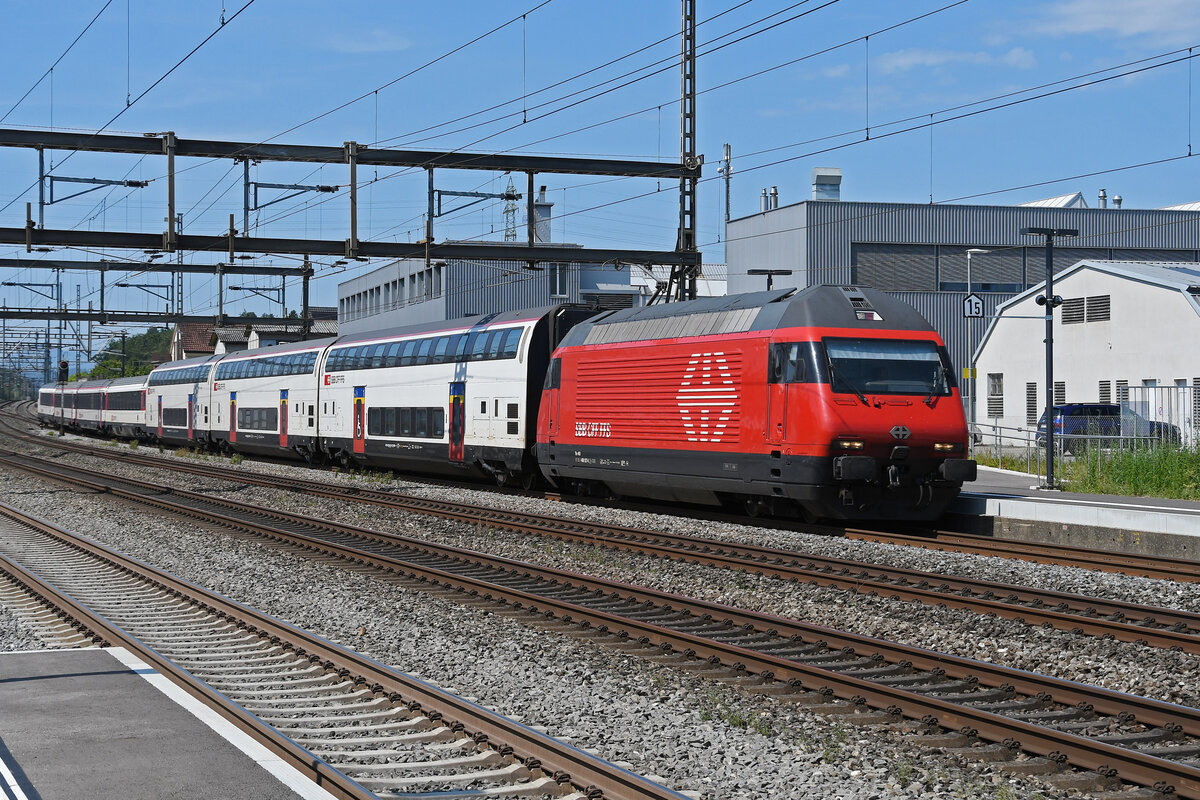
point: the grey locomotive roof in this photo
(450, 324)
(816, 306)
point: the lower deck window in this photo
(174, 417)
(258, 419)
(417, 423)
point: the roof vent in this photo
(863, 309)
(826, 183)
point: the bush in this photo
(236, 458)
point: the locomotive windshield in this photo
(888, 366)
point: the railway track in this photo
(356, 727)
(1157, 567)
(1129, 622)
(1112, 735)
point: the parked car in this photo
(1074, 421)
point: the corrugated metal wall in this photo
(944, 312)
(487, 287)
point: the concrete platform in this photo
(99, 723)
(1010, 504)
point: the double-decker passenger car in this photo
(124, 407)
(265, 400)
(837, 401)
(460, 394)
(173, 392)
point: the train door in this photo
(553, 381)
(360, 422)
(160, 415)
(777, 395)
(103, 409)
(283, 417)
(458, 420)
(191, 419)
(233, 416)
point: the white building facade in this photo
(1127, 333)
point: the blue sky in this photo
(280, 64)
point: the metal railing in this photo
(1024, 449)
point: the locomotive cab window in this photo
(554, 374)
(795, 362)
(889, 366)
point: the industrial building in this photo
(918, 252)
(409, 291)
(1124, 333)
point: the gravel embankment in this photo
(1120, 666)
(697, 734)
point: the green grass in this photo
(1164, 472)
(1157, 472)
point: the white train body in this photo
(452, 396)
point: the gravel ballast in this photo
(1121, 666)
(698, 735)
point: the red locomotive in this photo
(829, 402)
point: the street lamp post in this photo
(971, 351)
(1050, 300)
(770, 273)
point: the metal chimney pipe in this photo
(1116, 201)
(774, 197)
(1103, 199)
(764, 202)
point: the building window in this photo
(1060, 392)
(1099, 308)
(1031, 404)
(1105, 391)
(995, 400)
(558, 280)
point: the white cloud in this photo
(1164, 21)
(900, 60)
(838, 71)
(374, 41)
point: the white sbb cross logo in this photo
(706, 397)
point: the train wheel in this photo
(528, 479)
(757, 506)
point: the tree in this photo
(143, 352)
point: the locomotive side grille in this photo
(692, 397)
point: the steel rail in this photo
(1124, 621)
(1161, 567)
(568, 765)
(1131, 765)
(1157, 567)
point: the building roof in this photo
(233, 334)
(1193, 206)
(195, 337)
(1072, 200)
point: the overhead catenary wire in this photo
(130, 104)
(57, 61)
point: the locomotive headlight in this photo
(946, 447)
(848, 444)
